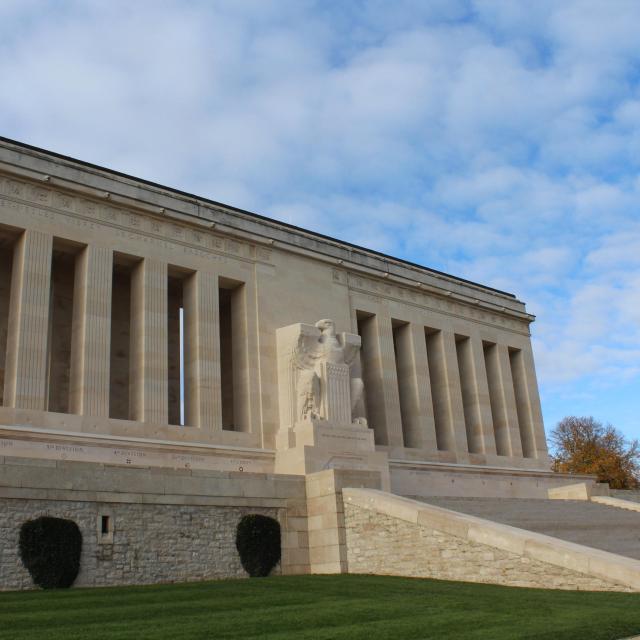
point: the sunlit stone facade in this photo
(138, 326)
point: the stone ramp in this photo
(389, 534)
(586, 523)
(631, 495)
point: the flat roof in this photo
(248, 213)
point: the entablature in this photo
(86, 194)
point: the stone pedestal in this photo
(317, 445)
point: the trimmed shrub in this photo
(258, 543)
(50, 551)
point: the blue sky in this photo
(498, 141)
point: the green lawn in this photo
(318, 607)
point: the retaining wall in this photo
(386, 534)
(164, 525)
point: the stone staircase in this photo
(599, 526)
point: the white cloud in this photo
(496, 140)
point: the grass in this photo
(318, 607)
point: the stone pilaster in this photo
(28, 329)
(90, 346)
(203, 407)
(149, 359)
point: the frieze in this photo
(375, 291)
(89, 214)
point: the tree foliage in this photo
(584, 445)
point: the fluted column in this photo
(477, 402)
(510, 407)
(381, 384)
(392, 419)
(149, 358)
(90, 345)
(415, 388)
(203, 407)
(27, 337)
(453, 393)
(533, 408)
(503, 403)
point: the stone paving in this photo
(594, 525)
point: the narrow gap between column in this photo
(404, 372)
(226, 359)
(178, 357)
(469, 398)
(182, 389)
(496, 399)
(371, 375)
(63, 269)
(122, 336)
(516, 362)
(234, 362)
(439, 387)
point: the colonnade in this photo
(436, 389)
(93, 332)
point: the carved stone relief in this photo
(315, 377)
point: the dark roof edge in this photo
(250, 214)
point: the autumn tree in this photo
(584, 445)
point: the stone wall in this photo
(383, 545)
(389, 535)
(150, 544)
(165, 525)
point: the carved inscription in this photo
(215, 460)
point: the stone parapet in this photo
(424, 479)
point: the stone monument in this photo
(318, 399)
(151, 379)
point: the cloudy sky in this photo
(495, 140)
